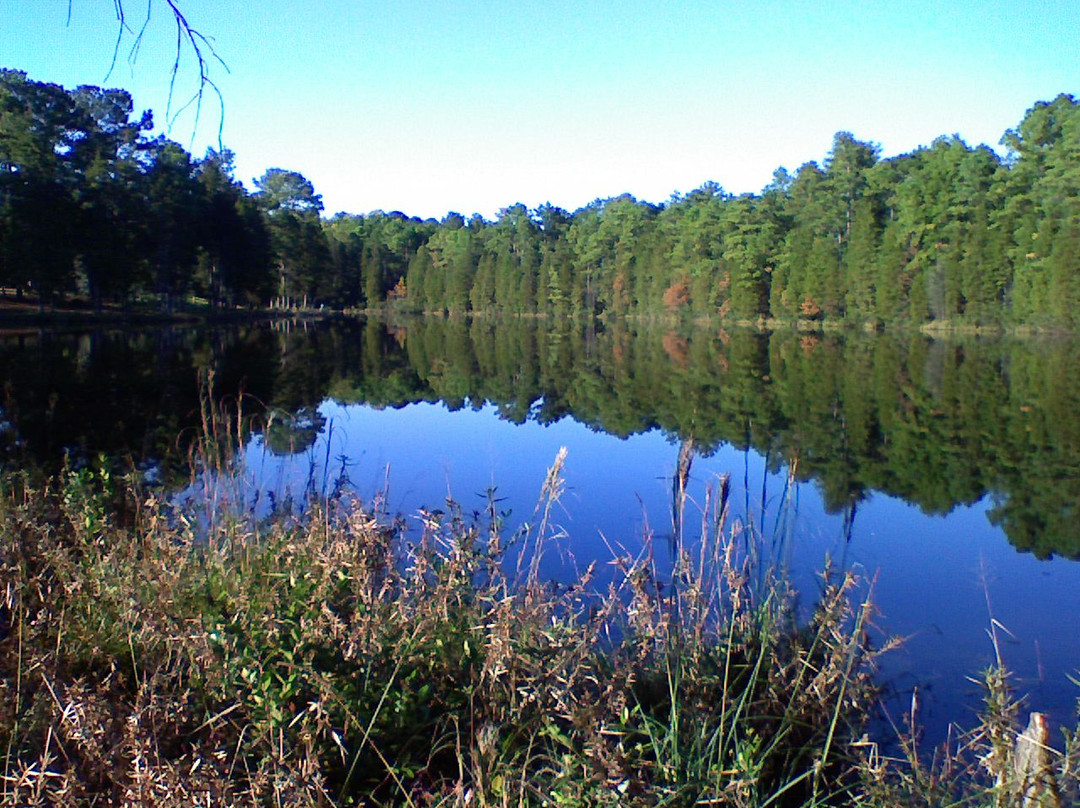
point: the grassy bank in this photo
(340, 660)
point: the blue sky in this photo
(426, 107)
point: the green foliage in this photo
(937, 236)
(948, 235)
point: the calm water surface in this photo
(937, 579)
(945, 473)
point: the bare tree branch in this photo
(188, 38)
(198, 43)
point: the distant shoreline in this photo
(28, 311)
(16, 314)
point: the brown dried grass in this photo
(341, 659)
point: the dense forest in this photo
(951, 234)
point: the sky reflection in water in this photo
(937, 580)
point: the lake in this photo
(946, 473)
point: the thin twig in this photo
(202, 48)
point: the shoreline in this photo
(15, 313)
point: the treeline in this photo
(950, 233)
(92, 207)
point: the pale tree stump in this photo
(1031, 782)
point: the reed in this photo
(149, 658)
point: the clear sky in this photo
(472, 106)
